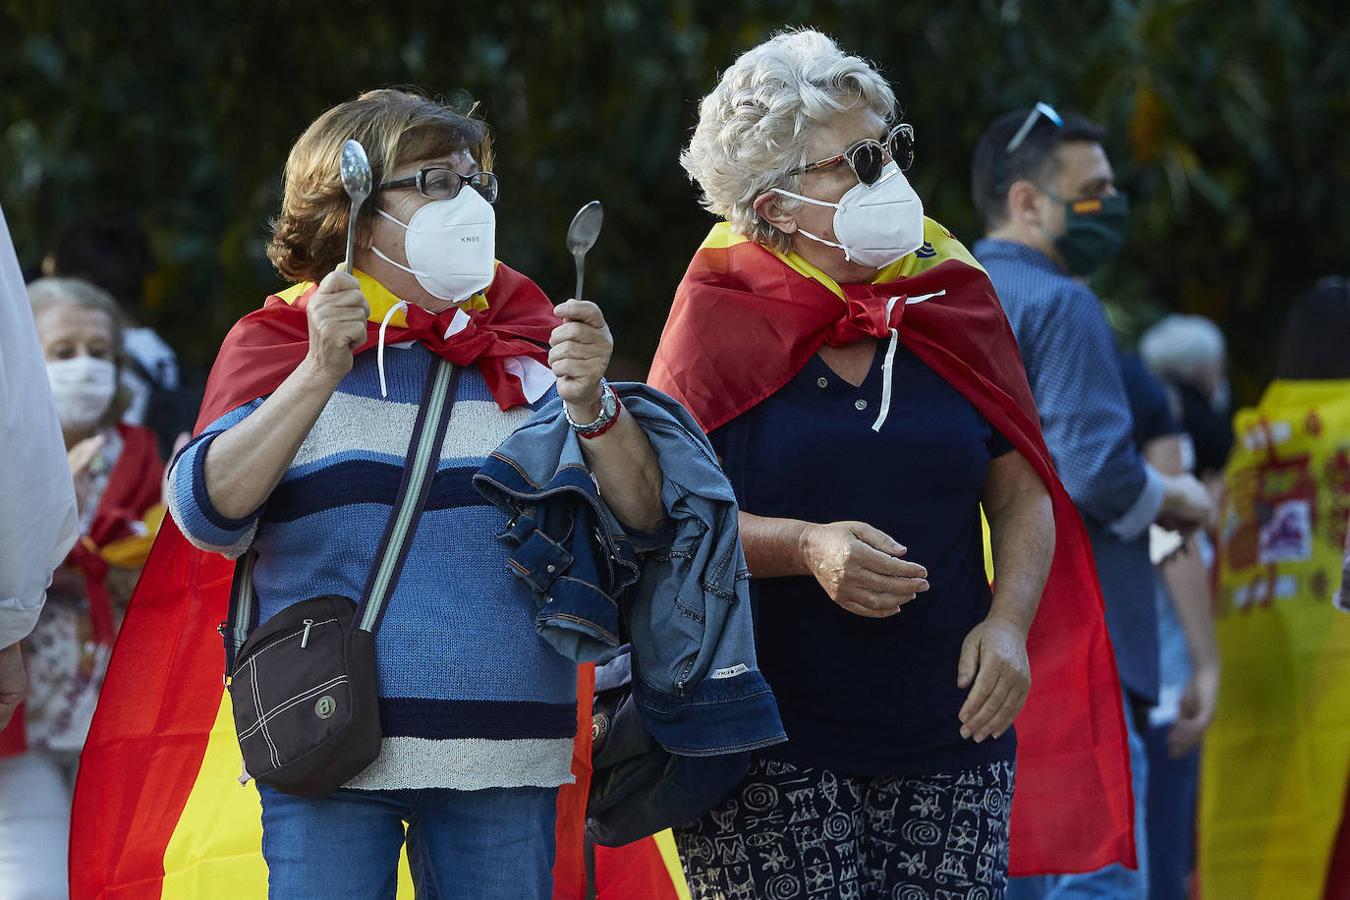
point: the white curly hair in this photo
(1183, 349)
(752, 128)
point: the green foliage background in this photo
(1228, 124)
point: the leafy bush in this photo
(1226, 126)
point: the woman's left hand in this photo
(994, 657)
(581, 348)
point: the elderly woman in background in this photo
(118, 486)
(1189, 357)
(861, 456)
(301, 456)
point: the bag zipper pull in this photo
(309, 623)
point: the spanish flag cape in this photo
(1276, 764)
(119, 533)
(159, 810)
(744, 322)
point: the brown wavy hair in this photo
(309, 237)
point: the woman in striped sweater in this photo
(478, 712)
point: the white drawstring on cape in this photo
(379, 347)
(889, 365)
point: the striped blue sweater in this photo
(471, 696)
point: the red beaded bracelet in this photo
(618, 411)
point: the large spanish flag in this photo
(744, 322)
(1276, 766)
(159, 808)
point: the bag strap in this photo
(243, 614)
(419, 471)
(424, 452)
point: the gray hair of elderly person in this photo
(752, 128)
(52, 290)
(47, 292)
(1188, 350)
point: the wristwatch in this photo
(609, 409)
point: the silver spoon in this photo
(581, 235)
(355, 168)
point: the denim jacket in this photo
(680, 596)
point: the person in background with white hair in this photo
(1188, 669)
(118, 481)
(1188, 350)
(38, 526)
(856, 375)
(1188, 354)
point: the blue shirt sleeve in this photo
(1071, 363)
(191, 507)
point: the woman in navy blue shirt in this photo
(897, 671)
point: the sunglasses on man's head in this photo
(1037, 111)
(868, 157)
(443, 183)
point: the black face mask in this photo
(1094, 231)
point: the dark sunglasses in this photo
(443, 183)
(868, 157)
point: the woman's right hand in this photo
(861, 568)
(337, 314)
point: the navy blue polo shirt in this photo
(859, 695)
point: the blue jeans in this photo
(1171, 817)
(495, 843)
(1114, 881)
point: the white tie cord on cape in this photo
(889, 364)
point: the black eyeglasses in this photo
(868, 157)
(444, 183)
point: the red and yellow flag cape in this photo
(744, 322)
(1275, 784)
(159, 810)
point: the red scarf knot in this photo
(865, 316)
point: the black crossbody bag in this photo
(305, 686)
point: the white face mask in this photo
(876, 224)
(450, 244)
(83, 389)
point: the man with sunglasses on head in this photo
(1052, 215)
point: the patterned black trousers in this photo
(790, 832)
